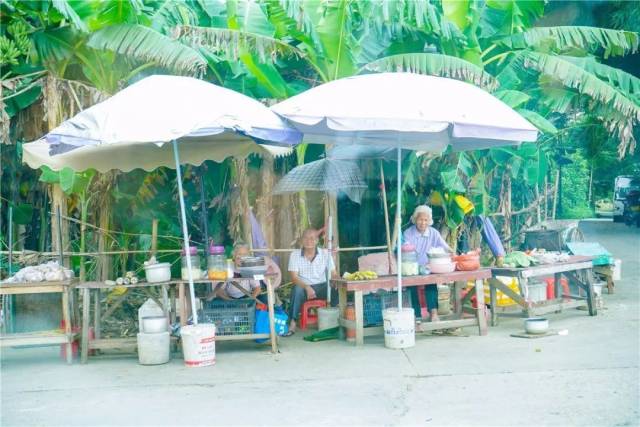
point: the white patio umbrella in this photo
(404, 111)
(143, 125)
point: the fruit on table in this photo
(360, 275)
(519, 259)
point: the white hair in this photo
(422, 209)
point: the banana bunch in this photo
(360, 275)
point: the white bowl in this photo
(442, 268)
(440, 261)
(154, 324)
(536, 325)
(160, 272)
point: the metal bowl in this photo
(249, 272)
(536, 325)
(252, 261)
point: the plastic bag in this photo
(281, 321)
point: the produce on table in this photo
(360, 275)
(50, 271)
(468, 261)
(519, 259)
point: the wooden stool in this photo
(306, 315)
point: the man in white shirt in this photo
(308, 270)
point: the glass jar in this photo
(409, 265)
(196, 272)
(216, 263)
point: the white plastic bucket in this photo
(328, 318)
(199, 344)
(617, 269)
(153, 349)
(399, 328)
(537, 291)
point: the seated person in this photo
(424, 238)
(228, 291)
(308, 270)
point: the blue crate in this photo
(374, 304)
(235, 317)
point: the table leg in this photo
(342, 306)
(172, 300)
(66, 315)
(182, 304)
(493, 297)
(359, 317)
(165, 304)
(272, 322)
(480, 312)
(524, 291)
(591, 295)
(97, 314)
(86, 301)
(457, 300)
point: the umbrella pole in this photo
(386, 216)
(399, 223)
(203, 206)
(185, 232)
(329, 249)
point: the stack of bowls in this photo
(441, 263)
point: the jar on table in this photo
(409, 266)
(216, 263)
(196, 272)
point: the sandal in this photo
(289, 333)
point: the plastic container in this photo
(374, 304)
(154, 324)
(537, 291)
(399, 328)
(328, 317)
(442, 268)
(217, 263)
(409, 266)
(199, 344)
(196, 266)
(160, 272)
(149, 309)
(234, 317)
(153, 349)
(444, 300)
(350, 314)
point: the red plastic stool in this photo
(309, 312)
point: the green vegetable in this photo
(519, 259)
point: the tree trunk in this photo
(555, 194)
(590, 184)
(264, 205)
(59, 199)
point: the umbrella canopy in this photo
(133, 128)
(126, 157)
(408, 110)
(160, 109)
(327, 175)
(404, 110)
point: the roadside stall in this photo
(163, 121)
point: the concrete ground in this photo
(589, 377)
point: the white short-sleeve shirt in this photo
(311, 272)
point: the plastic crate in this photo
(235, 317)
(373, 304)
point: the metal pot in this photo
(536, 325)
(252, 261)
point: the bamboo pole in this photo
(154, 237)
(386, 216)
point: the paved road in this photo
(589, 377)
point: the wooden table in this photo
(184, 308)
(455, 320)
(54, 337)
(131, 343)
(577, 269)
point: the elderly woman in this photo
(424, 238)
